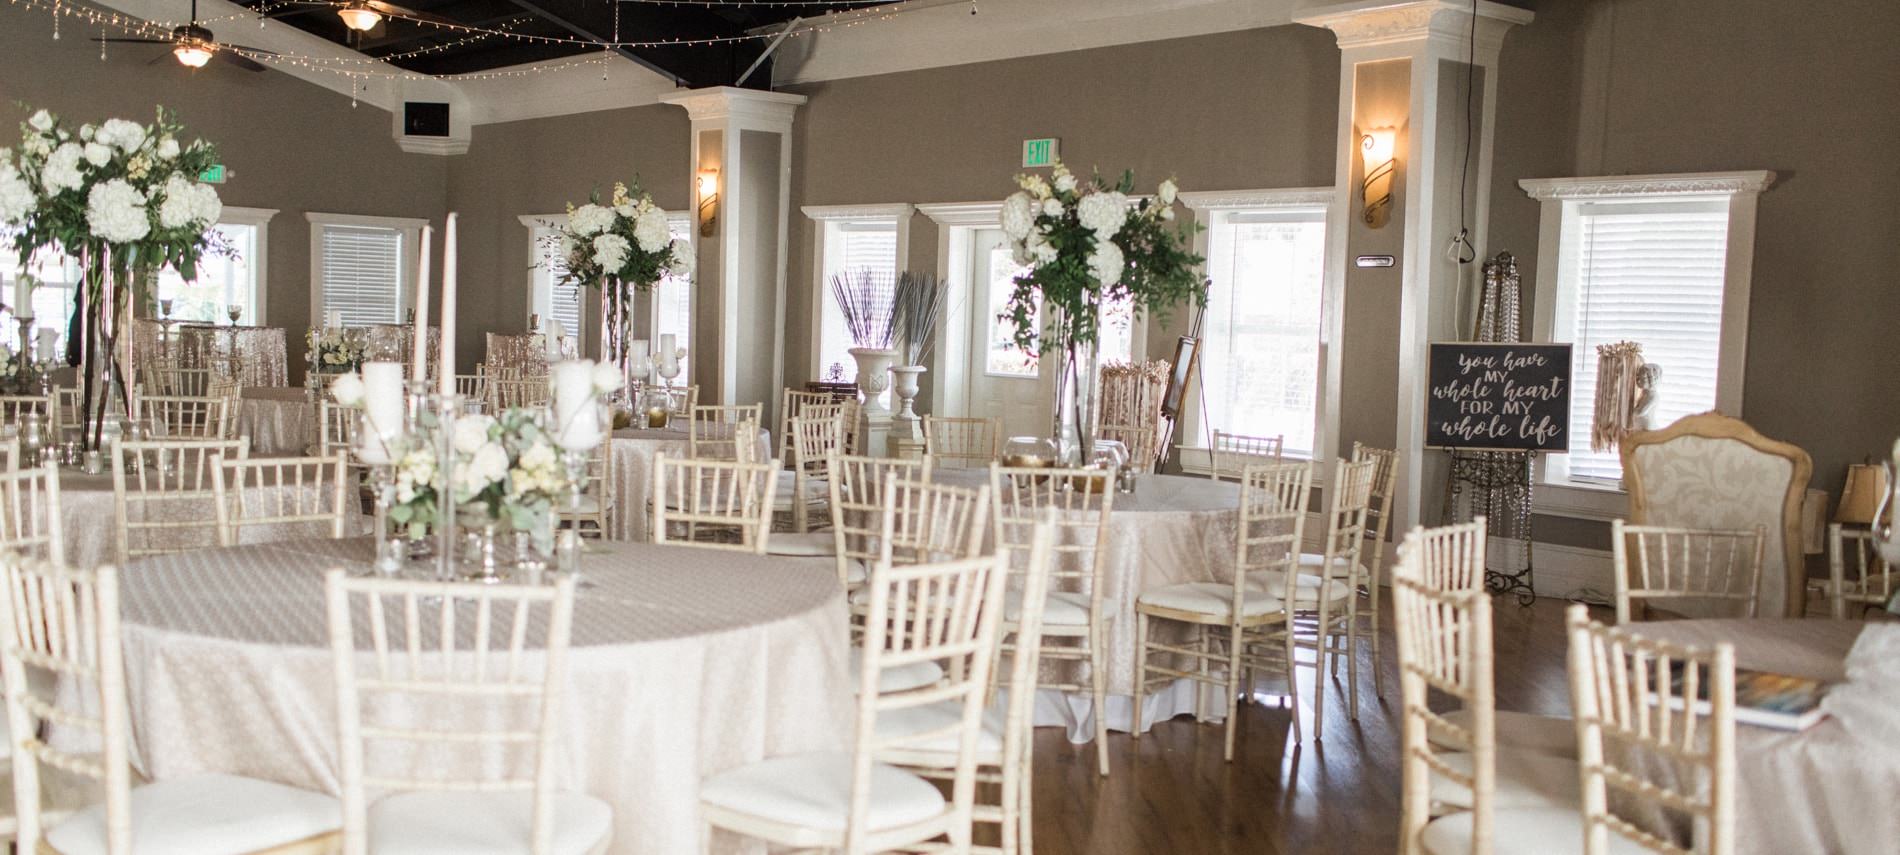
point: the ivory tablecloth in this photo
(1172, 529)
(278, 419)
(1823, 789)
(630, 468)
(89, 522)
(686, 662)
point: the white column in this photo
(745, 135)
(1427, 43)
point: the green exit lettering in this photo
(213, 174)
(1041, 152)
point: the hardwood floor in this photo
(1170, 792)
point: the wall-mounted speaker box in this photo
(425, 119)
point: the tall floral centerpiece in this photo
(1087, 244)
(124, 199)
(620, 249)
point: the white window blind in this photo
(362, 273)
(673, 305)
(851, 247)
(1652, 273)
(559, 302)
(1260, 362)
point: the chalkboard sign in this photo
(1499, 397)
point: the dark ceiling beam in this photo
(540, 11)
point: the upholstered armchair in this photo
(1711, 471)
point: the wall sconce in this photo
(708, 201)
(1379, 158)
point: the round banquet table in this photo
(89, 523)
(278, 419)
(1824, 789)
(630, 470)
(1172, 529)
(685, 662)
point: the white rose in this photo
(98, 155)
(167, 148)
(650, 231)
(86, 132)
(1065, 180)
(610, 252)
(116, 213)
(1051, 207)
(347, 390)
(1166, 192)
(487, 466)
(589, 220)
(62, 169)
(128, 136)
(1105, 263)
(17, 198)
(682, 262)
(1167, 213)
(1018, 216)
(1102, 213)
(627, 210)
(607, 378)
(538, 456)
(471, 433)
(41, 121)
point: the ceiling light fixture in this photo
(359, 17)
(192, 54)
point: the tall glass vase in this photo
(1074, 427)
(104, 351)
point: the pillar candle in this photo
(383, 402)
(576, 425)
(445, 359)
(22, 298)
(419, 347)
(48, 353)
(333, 319)
(668, 353)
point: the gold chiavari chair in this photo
(306, 493)
(233, 395)
(793, 403)
(1075, 620)
(13, 409)
(1140, 442)
(1690, 569)
(1232, 453)
(962, 443)
(507, 394)
(806, 488)
(717, 504)
(1385, 484)
(597, 496)
(198, 417)
(1858, 575)
(856, 485)
(714, 431)
(30, 522)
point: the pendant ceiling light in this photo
(359, 16)
(192, 54)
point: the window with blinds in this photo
(1646, 271)
(553, 300)
(850, 247)
(361, 273)
(673, 305)
(1260, 356)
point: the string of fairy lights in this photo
(362, 69)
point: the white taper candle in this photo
(445, 361)
(419, 347)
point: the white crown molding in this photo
(1283, 197)
(243, 216)
(1682, 184)
(963, 213)
(894, 211)
(774, 109)
(1383, 23)
(364, 220)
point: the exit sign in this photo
(1043, 152)
(213, 174)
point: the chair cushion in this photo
(901, 678)
(814, 544)
(1525, 779)
(1545, 831)
(456, 823)
(814, 791)
(1063, 608)
(913, 720)
(1544, 734)
(205, 813)
(1209, 598)
(1306, 593)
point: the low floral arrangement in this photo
(10, 366)
(333, 351)
(626, 240)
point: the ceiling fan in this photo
(363, 16)
(194, 46)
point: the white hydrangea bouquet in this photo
(620, 248)
(1087, 244)
(122, 197)
(333, 351)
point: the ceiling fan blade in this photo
(406, 12)
(134, 41)
(291, 13)
(238, 60)
(160, 58)
(248, 49)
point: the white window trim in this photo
(1558, 198)
(675, 221)
(957, 225)
(258, 219)
(411, 228)
(1206, 204)
(824, 216)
